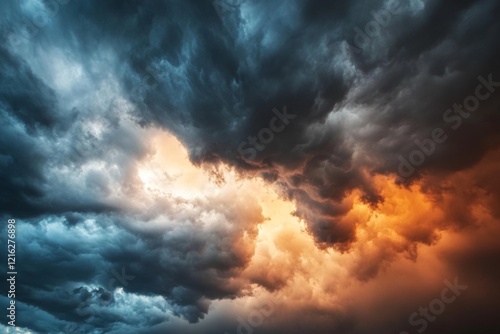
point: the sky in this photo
(251, 166)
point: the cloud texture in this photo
(125, 133)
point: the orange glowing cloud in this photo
(399, 243)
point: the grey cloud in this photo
(184, 71)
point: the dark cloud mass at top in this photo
(216, 82)
(212, 81)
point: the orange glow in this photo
(401, 237)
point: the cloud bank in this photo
(121, 124)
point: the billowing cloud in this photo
(174, 165)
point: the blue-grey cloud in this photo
(75, 91)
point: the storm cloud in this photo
(98, 97)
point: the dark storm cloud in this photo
(185, 71)
(213, 84)
(29, 111)
(74, 270)
(213, 87)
